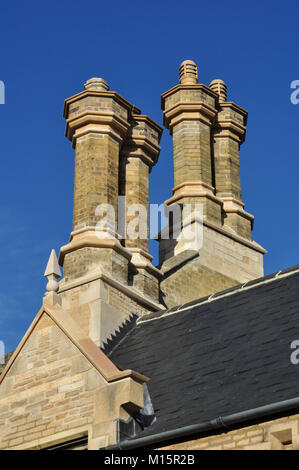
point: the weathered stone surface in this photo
(52, 391)
(207, 132)
(278, 434)
(96, 177)
(222, 261)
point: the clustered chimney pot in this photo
(219, 87)
(188, 73)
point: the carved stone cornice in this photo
(229, 126)
(143, 139)
(106, 113)
(232, 205)
(190, 87)
(193, 189)
(142, 260)
(90, 237)
(195, 111)
(105, 94)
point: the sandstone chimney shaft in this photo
(140, 153)
(189, 111)
(97, 122)
(228, 134)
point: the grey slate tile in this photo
(220, 357)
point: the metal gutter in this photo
(222, 422)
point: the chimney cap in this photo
(96, 84)
(219, 87)
(188, 72)
(217, 80)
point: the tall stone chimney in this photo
(189, 112)
(207, 132)
(115, 148)
(139, 154)
(97, 122)
(228, 134)
(108, 276)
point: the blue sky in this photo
(49, 49)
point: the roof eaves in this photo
(218, 423)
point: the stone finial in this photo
(188, 73)
(96, 84)
(219, 87)
(52, 273)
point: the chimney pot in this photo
(219, 87)
(96, 84)
(188, 73)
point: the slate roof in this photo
(217, 356)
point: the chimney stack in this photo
(115, 149)
(189, 112)
(139, 154)
(207, 133)
(97, 122)
(228, 134)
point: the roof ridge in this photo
(221, 294)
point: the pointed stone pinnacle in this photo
(52, 266)
(52, 273)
